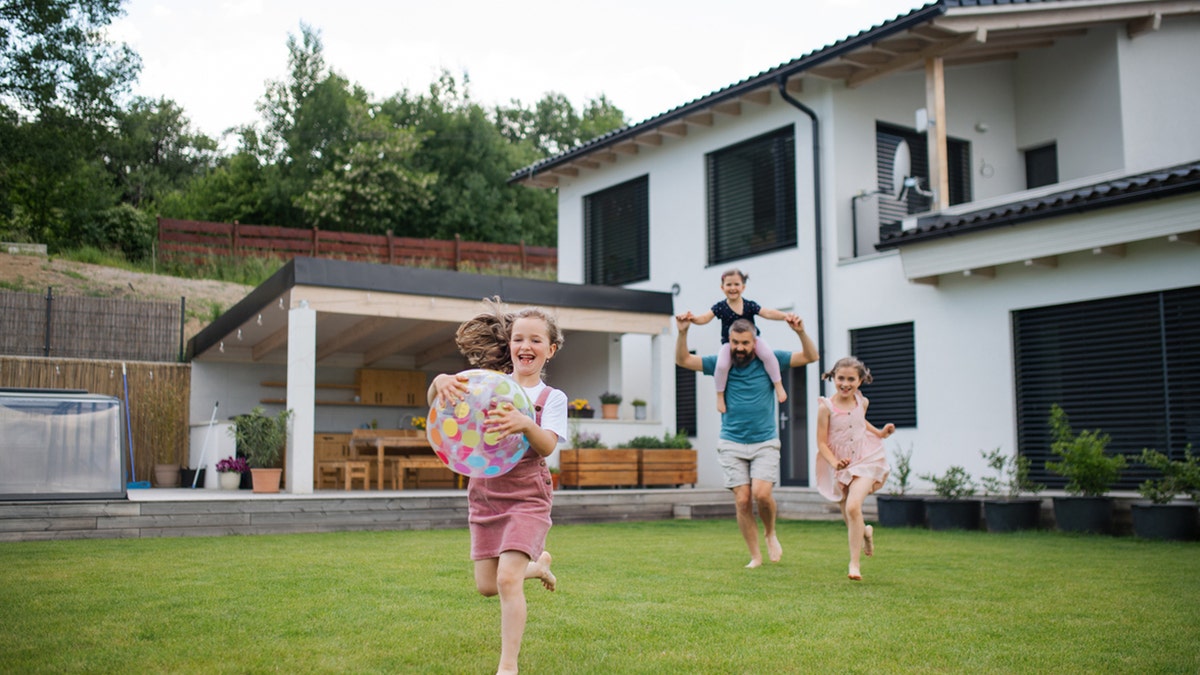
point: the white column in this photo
(301, 397)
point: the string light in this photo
(222, 346)
(239, 335)
(260, 319)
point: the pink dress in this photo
(849, 439)
(511, 512)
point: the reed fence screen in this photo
(197, 240)
(159, 399)
(32, 324)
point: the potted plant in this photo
(669, 460)
(898, 508)
(1089, 472)
(580, 408)
(589, 463)
(950, 511)
(1004, 510)
(639, 409)
(229, 472)
(555, 477)
(259, 439)
(609, 403)
(1162, 517)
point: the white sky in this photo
(214, 57)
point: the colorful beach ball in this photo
(456, 432)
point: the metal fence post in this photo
(49, 305)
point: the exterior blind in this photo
(1128, 367)
(685, 400)
(958, 161)
(888, 353)
(752, 197)
(616, 224)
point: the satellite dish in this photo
(901, 167)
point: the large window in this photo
(1041, 166)
(888, 353)
(752, 197)
(685, 400)
(958, 161)
(1127, 366)
(616, 231)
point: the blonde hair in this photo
(864, 373)
(483, 340)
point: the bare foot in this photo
(774, 549)
(869, 541)
(780, 393)
(544, 573)
(754, 562)
(855, 574)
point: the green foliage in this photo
(1012, 475)
(610, 397)
(586, 439)
(901, 470)
(1088, 469)
(1177, 476)
(677, 441)
(260, 437)
(637, 403)
(954, 484)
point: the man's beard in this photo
(740, 358)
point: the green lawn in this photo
(658, 597)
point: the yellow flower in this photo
(418, 422)
(580, 404)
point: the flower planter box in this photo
(581, 414)
(592, 467)
(666, 467)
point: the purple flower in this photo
(233, 464)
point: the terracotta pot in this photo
(609, 410)
(267, 480)
(166, 475)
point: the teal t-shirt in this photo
(749, 400)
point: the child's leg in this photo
(856, 493)
(510, 580)
(721, 374)
(771, 365)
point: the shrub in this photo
(954, 484)
(677, 441)
(1088, 469)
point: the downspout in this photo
(781, 81)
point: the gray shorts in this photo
(741, 462)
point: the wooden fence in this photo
(198, 240)
(33, 324)
(159, 399)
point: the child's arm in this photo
(507, 420)
(701, 319)
(772, 314)
(823, 439)
(451, 388)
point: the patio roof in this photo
(369, 312)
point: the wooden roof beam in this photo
(759, 96)
(651, 138)
(402, 341)
(351, 335)
(1148, 24)
(675, 129)
(733, 108)
(936, 49)
(271, 343)
(700, 119)
(626, 148)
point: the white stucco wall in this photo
(1157, 68)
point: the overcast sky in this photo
(214, 57)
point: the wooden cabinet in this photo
(372, 386)
(391, 387)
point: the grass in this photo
(658, 597)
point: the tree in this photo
(155, 151)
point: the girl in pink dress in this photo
(851, 461)
(509, 515)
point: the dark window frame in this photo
(958, 161)
(616, 233)
(1041, 166)
(889, 352)
(749, 222)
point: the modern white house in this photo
(996, 205)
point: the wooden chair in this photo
(356, 469)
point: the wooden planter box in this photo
(589, 467)
(666, 467)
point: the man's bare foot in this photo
(754, 562)
(547, 577)
(780, 392)
(774, 549)
(855, 574)
(721, 402)
(869, 541)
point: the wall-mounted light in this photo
(981, 127)
(675, 289)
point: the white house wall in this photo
(1159, 134)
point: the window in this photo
(958, 161)
(685, 400)
(1126, 366)
(1041, 166)
(888, 353)
(752, 197)
(616, 231)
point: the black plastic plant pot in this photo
(900, 510)
(952, 514)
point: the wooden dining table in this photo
(410, 451)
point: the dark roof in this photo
(766, 77)
(343, 274)
(1158, 184)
